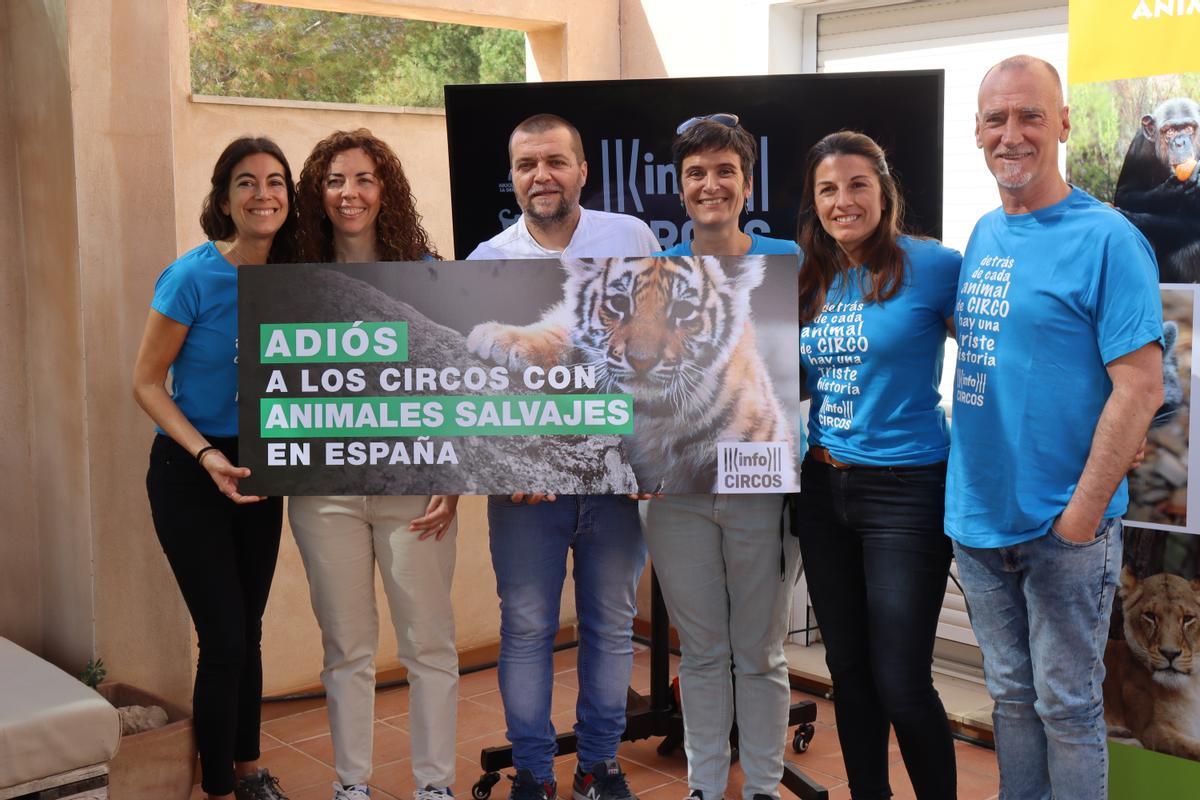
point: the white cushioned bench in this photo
(55, 733)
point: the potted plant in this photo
(157, 763)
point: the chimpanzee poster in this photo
(627, 127)
(1134, 143)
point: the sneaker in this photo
(604, 781)
(262, 785)
(433, 793)
(695, 794)
(527, 787)
(357, 791)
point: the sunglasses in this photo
(728, 120)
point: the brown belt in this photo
(823, 455)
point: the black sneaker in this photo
(262, 785)
(527, 787)
(695, 794)
(604, 781)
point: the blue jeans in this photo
(1041, 610)
(876, 559)
(529, 546)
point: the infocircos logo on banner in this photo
(749, 467)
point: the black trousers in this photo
(876, 559)
(223, 556)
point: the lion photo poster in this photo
(1152, 674)
(492, 377)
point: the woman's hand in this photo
(161, 342)
(226, 476)
(437, 518)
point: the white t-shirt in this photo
(600, 234)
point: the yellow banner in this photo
(1114, 39)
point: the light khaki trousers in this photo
(341, 539)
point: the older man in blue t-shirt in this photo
(1059, 372)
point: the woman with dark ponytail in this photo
(220, 543)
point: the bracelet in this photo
(200, 453)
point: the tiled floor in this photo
(297, 749)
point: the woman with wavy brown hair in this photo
(356, 207)
(875, 307)
(394, 231)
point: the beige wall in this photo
(20, 589)
(126, 187)
(57, 508)
(86, 136)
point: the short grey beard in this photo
(1020, 181)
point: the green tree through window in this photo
(242, 49)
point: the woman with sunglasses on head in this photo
(220, 544)
(356, 207)
(718, 557)
(875, 309)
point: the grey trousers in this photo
(718, 560)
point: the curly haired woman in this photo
(356, 206)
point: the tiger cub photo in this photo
(675, 333)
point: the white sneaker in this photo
(433, 793)
(358, 791)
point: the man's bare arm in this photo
(1137, 393)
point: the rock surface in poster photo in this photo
(585, 377)
(1152, 681)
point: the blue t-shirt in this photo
(759, 246)
(1045, 301)
(200, 290)
(872, 369)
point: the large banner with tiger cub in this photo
(493, 377)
